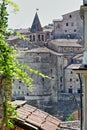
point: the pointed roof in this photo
(36, 25)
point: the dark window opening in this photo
(27, 94)
(67, 24)
(30, 37)
(70, 80)
(19, 87)
(43, 79)
(77, 80)
(74, 30)
(20, 81)
(65, 30)
(70, 90)
(33, 37)
(79, 91)
(70, 16)
(61, 79)
(42, 37)
(71, 72)
(38, 37)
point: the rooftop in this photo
(42, 50)
(65, 42)
(28, 114)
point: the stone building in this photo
(70, 26)
(68, 47)
(44, 93)
(51, 57)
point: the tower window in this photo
(33, 37)
(42, 37)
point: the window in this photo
(79, 91)
(38, 37)
(43, 79)
(67, 24)
(19, 81)
(71, 72)
(70, 16)
(51, 71)
(27, 94)
(19, 87)
(65, 30)
(30, 37)
(70, 86)
(70, 80)
(77, 80)
(42, 37)
(33, 37)
(74, 30)
(70, 90)
(61, 79)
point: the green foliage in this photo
(9, 67)
(70, 117)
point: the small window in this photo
(79, 90)
(19, 87)
(70, 80)
(67, 24)
(38, 37)
(30, 37)
(51, 71)
(33, 37)
(43, 79)
(77, 80)
(61, 79)
(19, 81)
(70, 90)
(42, 37)
(27, 94)
(65, 30)
(71, 72)
(70, 16)
(74, 30)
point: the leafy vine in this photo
(9, 67)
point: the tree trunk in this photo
(5, 92)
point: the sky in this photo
(48, 11)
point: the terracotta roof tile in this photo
(37, 117)
(48, 126)
(35, 120)
(40, 113)
(52, 119)
(29, 108)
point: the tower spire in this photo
(36, 25)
